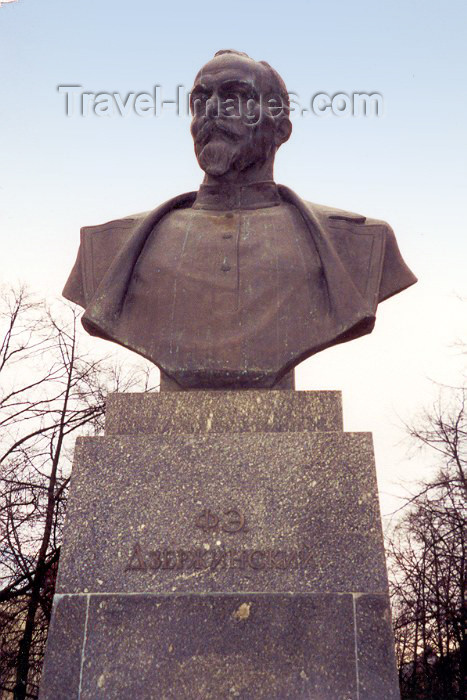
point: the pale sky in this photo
(409, 167)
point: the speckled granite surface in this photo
(223, 412)
(231, 558)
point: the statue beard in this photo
(221, 149)
(219, 156)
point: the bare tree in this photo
(51, 390)
(427, 554)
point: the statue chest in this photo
(239, 272)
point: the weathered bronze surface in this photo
(234, 285)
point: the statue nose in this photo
(212, 110)
(212, 107)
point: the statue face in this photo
(232, 125)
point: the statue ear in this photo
(283, 131)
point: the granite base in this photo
(222, 545)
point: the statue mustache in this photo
(203, 133)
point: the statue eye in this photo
(198, 101)
(199, 97)
(231, 104)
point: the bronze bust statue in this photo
(234, 285)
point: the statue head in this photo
(240, 111)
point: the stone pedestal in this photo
(222, 545)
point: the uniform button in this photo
(226, 235)
(225, 267)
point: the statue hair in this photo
(276, 80)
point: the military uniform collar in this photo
(225, 197)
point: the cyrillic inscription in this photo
(230, 521)
(220, 558)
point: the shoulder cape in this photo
(360, 259)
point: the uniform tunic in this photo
(232, 287)
(218, 284)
